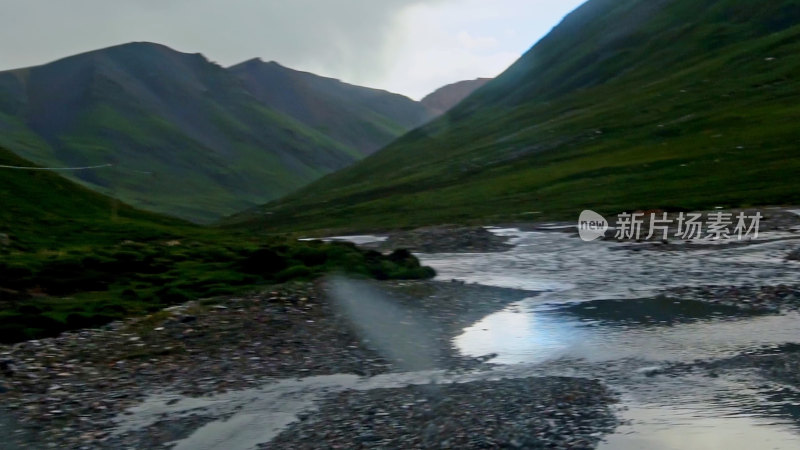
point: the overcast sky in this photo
(406, 46)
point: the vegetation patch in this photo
(71, 258)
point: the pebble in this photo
(528, 413)
(782, 297)
(83, 379)
(445, 239)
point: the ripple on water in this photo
(603, 315)
(598, 317)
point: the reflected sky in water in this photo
(602, 313)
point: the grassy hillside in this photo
(627, 104)
(43, 210)
(360, 118)
(186, 137)
(72, 258)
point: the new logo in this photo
(592, 226)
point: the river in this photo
(601, 313)
(599, 310)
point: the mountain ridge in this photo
(447, 97)
(319, 101)
(186, 136)
(621, 107)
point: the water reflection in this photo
(604, 314)
(530, 332)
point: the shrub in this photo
(263, 261)
(294, 272)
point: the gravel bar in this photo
(527, 413)
(64, 392)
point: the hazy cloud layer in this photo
(407, 46)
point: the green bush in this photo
(293, 273)
(109, 282)
(262, 261)
(311, 256)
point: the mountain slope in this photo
(42, 209)
(361, 118)
(185, 136)
(627, 104)
(446, 97)
(72, 258)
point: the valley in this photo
(246, 255)
(683, 108)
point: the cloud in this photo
(342, 36)
(434, 44)
(467, 41)
(407, 46)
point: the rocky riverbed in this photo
(782, 297)
(69, 388)
(779, 363)
(247, 356)
(444, 239)
(529, 413)
(65, 392)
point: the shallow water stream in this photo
(601, 315)
(600, 312)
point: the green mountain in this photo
(360, 118)
(41, 209)
(627, 104)
(185, 136)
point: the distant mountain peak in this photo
(235, 137)
(142, 44)
(257, 61)
(141, 47)
(259, 64)
(446, 97)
